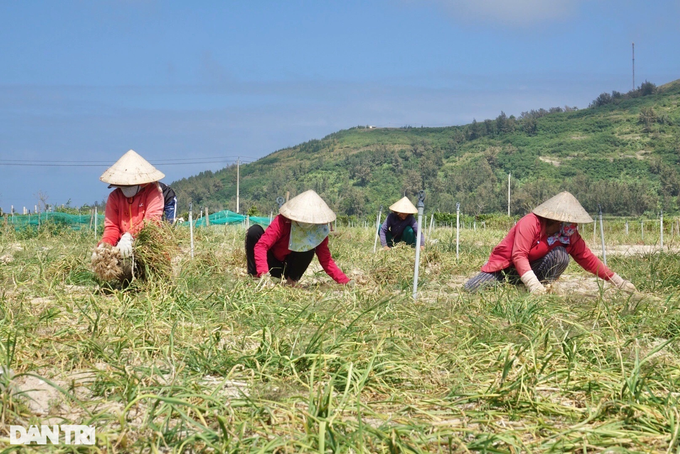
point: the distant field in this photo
(212, 362)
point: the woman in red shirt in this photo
(137, 198)
(288, 245)
(538, 247)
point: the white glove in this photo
(623, 284)
(95, 254)
(125, 245)
(532, 283)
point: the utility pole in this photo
(238, 178)
(633, 66)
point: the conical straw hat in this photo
(131, 169)
(403, 205)
(563, 207)
(307, 207)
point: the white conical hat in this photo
(131, 169)
(403, 205)
(307, 207)
(563, 207)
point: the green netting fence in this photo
(75, 221)
(229, 217)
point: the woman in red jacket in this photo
(288, 245)
(137, 199)
(538, 247)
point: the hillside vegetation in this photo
(622, 152)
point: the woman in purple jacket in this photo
(401, 225)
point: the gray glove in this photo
(532, 283)
(623, 284)
(125, 245)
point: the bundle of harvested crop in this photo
(153, 249)
(107, 263)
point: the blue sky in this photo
(81, 82)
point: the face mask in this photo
(129, 191)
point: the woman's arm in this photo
(266, 242)
(328, 265)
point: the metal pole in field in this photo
(191, 228)
(626, 227)
(661, 228)
(509, 194)
(457, 227)
(238, 181)
(95, 223)
(421, 208)
(604, 251)
(377, 230)
(594, 230)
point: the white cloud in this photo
(514, 13)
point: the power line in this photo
(173, 162)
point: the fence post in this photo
(421, 208)
(377, 230)
(661, 228)
(604, 250)
(191, 228)
(457, 227)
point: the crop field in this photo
(212, 361)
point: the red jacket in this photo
(527, 242)
(276, 238)
(127, 214)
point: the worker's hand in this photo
(386, 248)
(532, 283)
(422, 248)
(351, 284)
(623, 284)
(125, 245)
(265, 282)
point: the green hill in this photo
(621, 152)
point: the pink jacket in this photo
(527, 242)
(276, 238)
(128, 214)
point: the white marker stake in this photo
(191, 229)
(457, 228)
(377, 230)
(604, 251)
(661, 228)
(421, 208)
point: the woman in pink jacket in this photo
(137, 199)
(292, 239)
(537, 249)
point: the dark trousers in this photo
(292, 267)
(408, 236)
(547, 269)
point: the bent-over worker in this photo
(288, 245)
(137, 199)
(538, 247)
(401, 225)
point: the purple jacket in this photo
(396, 227)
